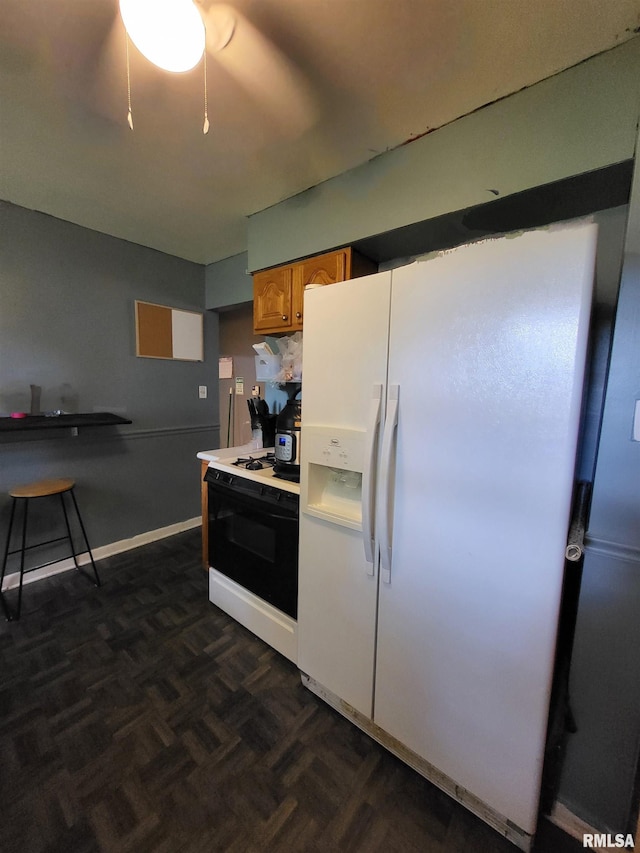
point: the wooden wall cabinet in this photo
(273, 300)
(278, 293)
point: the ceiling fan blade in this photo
(60, 48)
(21, 34)
(220, 25)
(106, 90)
(273, 82)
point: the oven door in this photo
(253, 538)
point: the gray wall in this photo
(579, 120)
(611, 234)
(236, 341)
(602, 756)
(227, 282)
(67, 318)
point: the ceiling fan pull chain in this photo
(205, 128)
(129, 116)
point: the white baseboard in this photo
(570, 823)
(12, 580)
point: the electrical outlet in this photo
(255, 391)
(202, 392)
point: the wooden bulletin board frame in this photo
(164, 332)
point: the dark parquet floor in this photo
(139, 717)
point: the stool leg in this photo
(86, 541)
(7, 614)
(68, 526)
(22, 550)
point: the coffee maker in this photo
(287, 439)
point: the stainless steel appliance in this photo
(287, 440)
(253, 546)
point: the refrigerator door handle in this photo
(369, 480)
(389, 435)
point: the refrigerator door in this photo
(487, 346)
(345, 364)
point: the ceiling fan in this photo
(75, 54)
(170, 33)
(177, 35)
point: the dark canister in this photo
(287, 443)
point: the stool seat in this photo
(21, 495)
(42, 488)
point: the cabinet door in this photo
(273, 300)
(323, 269)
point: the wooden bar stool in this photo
(23, 494)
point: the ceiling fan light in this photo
(170, 33)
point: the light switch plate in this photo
(202, 392)
(636, 422)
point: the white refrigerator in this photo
(441, 411)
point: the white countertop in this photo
(232, 452)
(223, 458)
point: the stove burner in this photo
(252, 463)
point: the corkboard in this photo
(163, 332)
(153, 331)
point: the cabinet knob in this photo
(298, 315)
(284, 317)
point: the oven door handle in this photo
(278, 517)
(253, 502)
(268, 514)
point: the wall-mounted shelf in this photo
(60, 421)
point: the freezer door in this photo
(346, 329)
(345, 350)
(487, 348)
